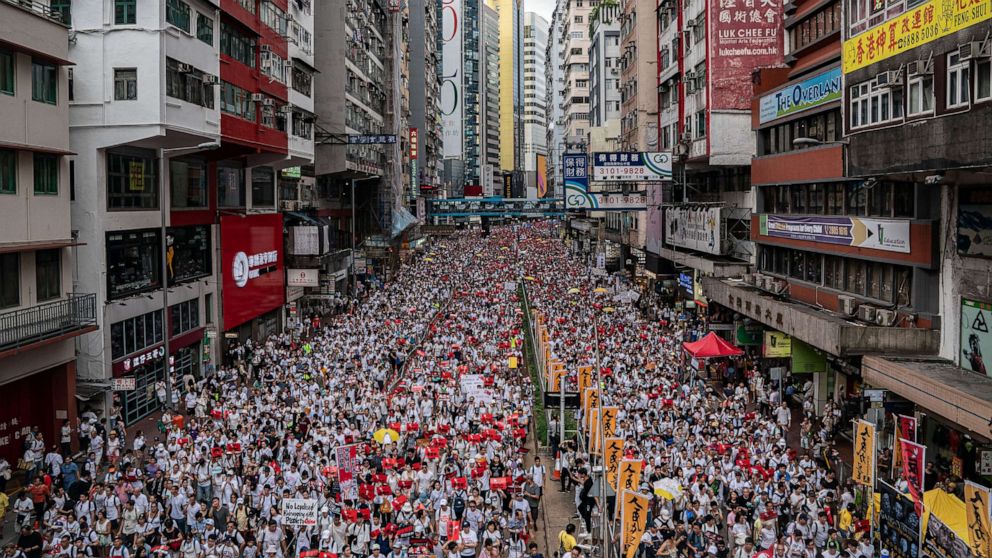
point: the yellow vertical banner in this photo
(612, 455)
(585, 378)
(629, 477)
(634, 521)
(594, 431)
(590, 400)
(558, 372)
(610, 421)
(512, 362)
(976, 502)
(864, 454)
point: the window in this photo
(274, 66)
(873, 104)
(302, 80)
(230, 186)
(983, 80)
(10, 280)
(186, 83)
(133, 262)
(236, 44)
(701, 124)
(188, 183)
(958, 81)
(132, 180)
(184, 317)
(237, 101)
(248, 5)
(125, 12)
(205, 29)
(6, 72)
(815, 27)
(125, 84)
(263, 188)
(44, 82)
(274, 17)
(920, 95)
(46, 174)
(187, 254)
(177, 13)
(63, 9)
(208, 310)
(8, 171)
(48, 274)
(135, 334)
(302, 125)
(578, 19)
(833, 272)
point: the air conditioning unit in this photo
(686, 135)
(974, 49)
(848, 304)
(866, 313)
(210, 79)
(286, 109)
(891, 77)
(257, 97)
(918, 67)
(750, 278)
(614, 71)
(268, 102)
(184, 68)
(265, 48)
(885, 317)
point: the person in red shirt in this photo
(39, 492)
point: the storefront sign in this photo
(303, 277)
(749, 335)
(685, 282)
(251, 255)
(806, 359)
(976, 339)
(741, 36)
(632, 167)
(123, 384)
(876, 234)
(142, 359)
(974, 221)
(777, 345)
(919, 26)
(695, 228)
(985, 462)
(807, 94)
(575, 172)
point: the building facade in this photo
(604, 65)
(425, 95)
(511, 68)
(554, 63)
(42, 312)
(535, 96)
(491, 102)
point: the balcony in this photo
(62, 318)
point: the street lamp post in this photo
(164, 204)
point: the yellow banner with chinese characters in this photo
(923, 24)
(613, 455)
(976, 502)
(635, 520)
(590, 399)
(595, 425)
(610, 420)
(864, 453)
(630, 477)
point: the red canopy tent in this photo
(711, 346)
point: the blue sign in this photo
(685, 281)
(575, 172)
(813, 92)
(371, 139)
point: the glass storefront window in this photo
(188, 255)
(135, 334)
(133, 262)
(188, 183)
(142, 401)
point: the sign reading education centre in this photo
(919, 26)
(877, 234)
(813, 92)
(252, 258)
(632, 167)
(742, 35)
(695, 228)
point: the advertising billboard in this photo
(451, 79)
(254, 280)
(742, 36)
(777, 345)
(813, 92)
(303, 277)
(923, 24)
(632, 167)
(695, 228)
(414, 159)
(542, 176)
(889, 235)
(976, 341)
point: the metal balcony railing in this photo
(46, 321)
(40, 8)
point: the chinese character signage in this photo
(613, 456)
(876, 234)
(863, 467)
(632, 167)
(695, 228)
(254, 281)
(743, 35)
(976, 503)
(919, 26)
(813, 92)
(634, 520)
(542, 176)
(371, 139)
(630, 477)
(914, 469)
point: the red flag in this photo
(913, 469)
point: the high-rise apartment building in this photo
(511, 67)
(554, 65)
(462, 96)
(638, 76)
(491, 169)
(535, 95)
(425, 96)
(574, 37)
(604, 65)
(42, 312)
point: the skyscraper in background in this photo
(511, 64)
(534, 89)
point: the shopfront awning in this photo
(937, 385)
(711, 346)
(710, 265)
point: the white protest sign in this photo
(474, 386)
(299, 512)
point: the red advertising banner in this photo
(913, 468)
(742, 35)
(251, 265)
(907, 430)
